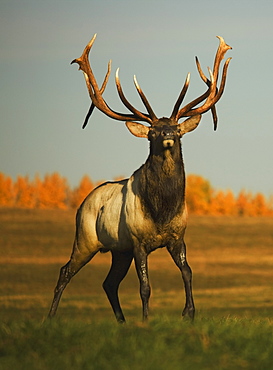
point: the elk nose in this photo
(168, 138)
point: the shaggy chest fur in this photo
(162, 188)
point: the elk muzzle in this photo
(168, 136)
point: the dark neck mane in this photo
(162, 185)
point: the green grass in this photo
(164, 343)
(232, 265)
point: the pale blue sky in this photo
(44, 99)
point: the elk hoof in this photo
(188, 313)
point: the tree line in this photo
(53, 191)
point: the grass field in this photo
(232, 263)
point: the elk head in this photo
(166, 128)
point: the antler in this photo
(103, 86)
(96, 94)
(212, 95)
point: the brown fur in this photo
(133, 217)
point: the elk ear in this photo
(190, 124)
(137, 129)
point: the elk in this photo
(133, 217)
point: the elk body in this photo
(133, 217)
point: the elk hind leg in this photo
(121, 262)
(76, 262)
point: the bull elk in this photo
(133, 217)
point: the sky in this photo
(44, 99)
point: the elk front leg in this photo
(145, 289)
(178, 253)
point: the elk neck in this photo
(162, 183)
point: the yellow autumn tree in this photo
(52, 192)
(79, 194)
(260, 206)
(270, 205)
(198, 194)
(223, 203)
(6, 191)
(244, 204)
(24, 193)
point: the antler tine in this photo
(103, 86)
(84, 66)
(126, 102)
(219, 93)
(96, 94)
(184, 90)
(222, 49)
(212, 95)
(181, 97)
(207, 81)
(145, 100)
(201, 74)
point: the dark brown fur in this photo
(162, 184)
